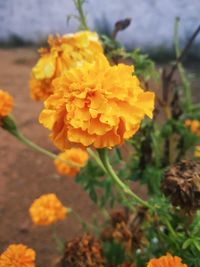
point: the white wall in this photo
(152, 20)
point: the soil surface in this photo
(25, 175)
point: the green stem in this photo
(59, 243)
(95, 156)
(82, 19)
(9, 125)
(33, 146)
(185, 81)
(170, 228)
(109, 170)
(42, 150)
(86, 226)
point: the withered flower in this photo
(182, 185)
(125, 229)
(85, 251)
(119, 216)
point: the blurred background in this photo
(30, 21)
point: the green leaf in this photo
(187, 243)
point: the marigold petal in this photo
(81, 137)
(109, 140)
(47, 118)
(146, 100)
(45, 68)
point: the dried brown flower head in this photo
(118, 216)
(125, 229)
(182, 185)
(85, 251)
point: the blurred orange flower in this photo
(197, 151)
(17, 256)
(194, 126)
(6, 103)
(64, 52)
(47, 209)
(96, 104)
(166, 261)
(74, 155)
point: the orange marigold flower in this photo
(64, 52)
(17, 256)
(194, 126)
(47, 209)
(97, 104)
(6, 103)
(74, 155)
(166, 261)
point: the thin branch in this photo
(168, 77)
(184, 52)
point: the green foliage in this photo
(175, 232)
(144, 66)
(114, 252)
(146, 164)
(112, 48)
(149, 159)
(97, 185)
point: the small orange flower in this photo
(17, 256)
(6, 103)
(75, 155)
(194, 126)
(96, 104)
(47, 209)
(64, 52)
(166, 261)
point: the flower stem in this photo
(59, 243)
(109, 170)
(170, 228)
(9, 125)
(34, 147)
(42, 150)
(95, 156)
(86, 225)
(183, 76)
(82, 19)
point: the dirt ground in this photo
(24, 174)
